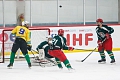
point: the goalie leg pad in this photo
(41, 54)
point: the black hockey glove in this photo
(29, 47)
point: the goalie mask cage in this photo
(37, 36)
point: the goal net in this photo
(37, 36)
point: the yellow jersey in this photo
(22, 32)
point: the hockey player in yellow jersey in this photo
(22, 41)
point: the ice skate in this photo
(102, 61)
(10, 66)
(61, 68)
(37, 58)
(112, 61)
(71, 70)
(29, 65)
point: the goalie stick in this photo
(33, 54)
(35, 51)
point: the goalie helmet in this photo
(99, 20)
(61, 32)
(49, 39)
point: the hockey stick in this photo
(85, 50)
(33, 53)
(91, 52)
(88, 55)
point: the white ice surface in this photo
(87, 70)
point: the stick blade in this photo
(79, 60)
(82, 60)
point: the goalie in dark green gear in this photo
(44, 58)
(44, 45)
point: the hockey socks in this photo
(58, 63)
(110, 54)
(12, 56)
(67, 64)
(102, 54)
(27, 58)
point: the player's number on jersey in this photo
(54, 41)
(21, 31)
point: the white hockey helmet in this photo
(49, 36)
(49, 39)
(25, 23)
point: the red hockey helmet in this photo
(61, 32)
(99, 20)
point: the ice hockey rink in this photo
(87, 70)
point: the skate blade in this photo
(71, 70)
(113, 63)
(29, 67)
(60, 68)
(102, 62)
(10, 67)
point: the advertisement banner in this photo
(78, 37)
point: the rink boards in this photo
(80, 37)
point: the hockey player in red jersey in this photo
(56, 45)
(104, 40)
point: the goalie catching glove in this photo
(29, 47)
